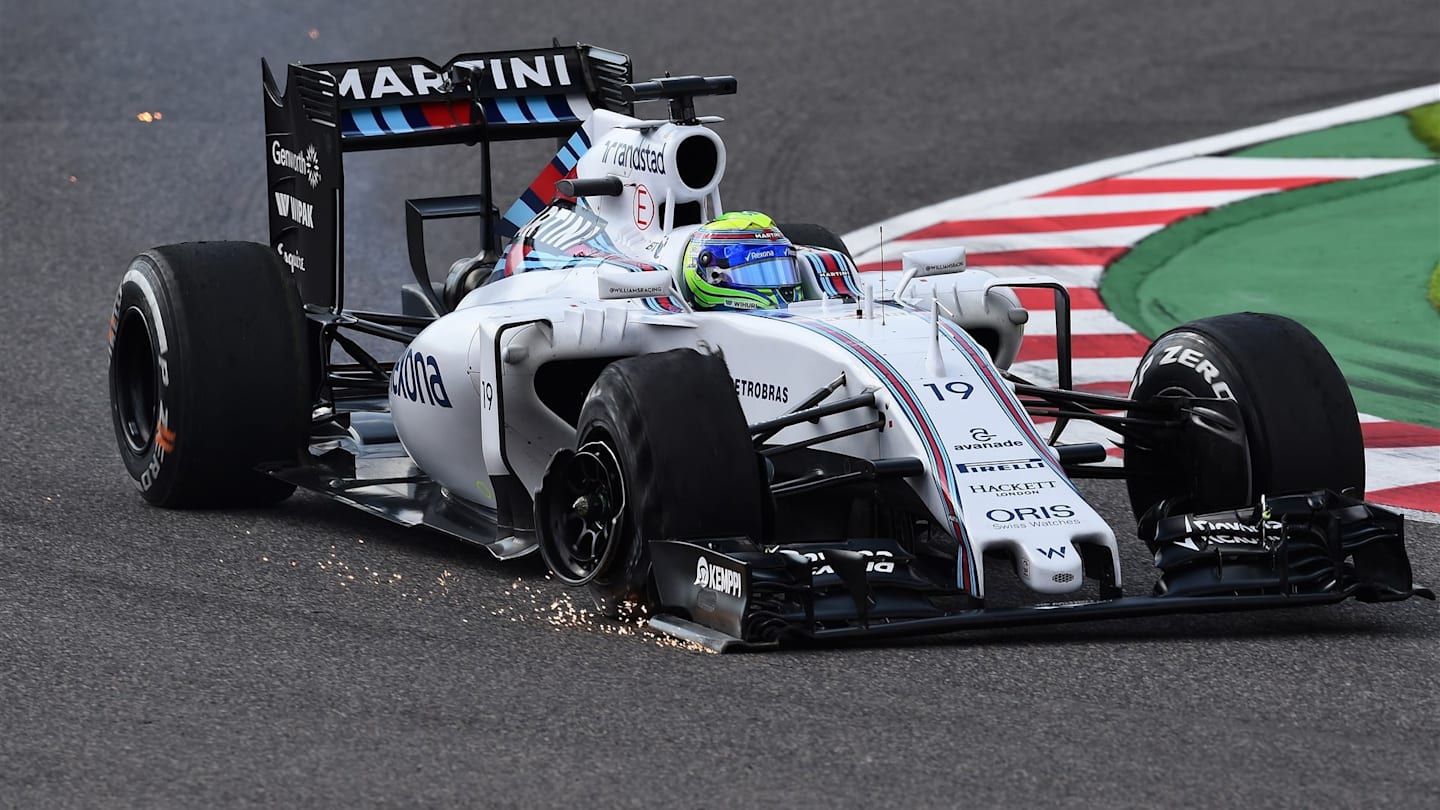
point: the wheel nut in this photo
(581, 506)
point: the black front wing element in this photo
(1311, 549)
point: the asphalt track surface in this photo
(188, 659)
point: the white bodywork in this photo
(465, 405)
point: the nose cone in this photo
(1052, 567)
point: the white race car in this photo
(702, 411)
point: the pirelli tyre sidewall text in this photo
(206, 375)
(142, 399)
(1301, 429)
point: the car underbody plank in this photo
(712, 640)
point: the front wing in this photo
(728, 594)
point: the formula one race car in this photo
(705, 412)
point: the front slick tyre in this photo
(663, 444)
(207, 373)
(1301, 429)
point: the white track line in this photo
(1256, 168)
(1094, 204)
(1387, 467)
(1071, 275)
(1085, 370)
(1000, 242)
(864, 239)
(1082, 322)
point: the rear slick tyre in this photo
(208, 374)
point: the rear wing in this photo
(332, 108)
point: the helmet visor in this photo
(752, 264)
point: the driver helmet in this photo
(741, 261)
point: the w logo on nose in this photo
(1052, 553)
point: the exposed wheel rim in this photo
(586, 502)
(135, 382)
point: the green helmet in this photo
(741, 261)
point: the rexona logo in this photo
(301, 212)
(416, 377)
(295, 261)
(1001, 466)
(717, 578)
(306, 165)
(406, 79)
(1054, 515)
(763, 391)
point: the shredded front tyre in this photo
(662, 453)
